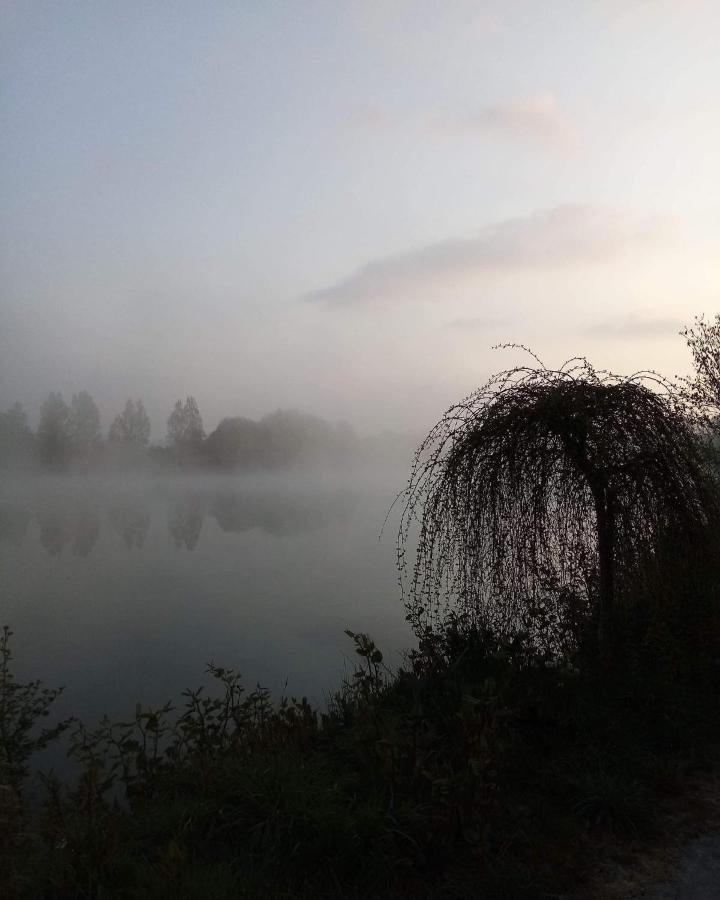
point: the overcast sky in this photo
(341, 206)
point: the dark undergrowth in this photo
(484, 767)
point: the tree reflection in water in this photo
(76, 520)
(55, 531)
(132, 522)
(87, 530)
(280, 515)
(185, 521)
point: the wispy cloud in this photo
(635, 326)
(559, 237)
(537, 119)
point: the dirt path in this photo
(683, 863)
(698, 876)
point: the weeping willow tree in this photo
(543, 482)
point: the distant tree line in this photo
(69, 437)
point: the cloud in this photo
(537, 119)
(556, 238)
(636, 326)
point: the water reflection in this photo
(131, 521)
(54, 530)
(74, 519)
(61, 525)
(185, 521)
(14, 521)
(280, 516)
(125, 587)
(87, 530)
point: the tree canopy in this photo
(83, 424)
(185, 427)
(131, 426)
(703, 339)
(53, 434)
(545, 485)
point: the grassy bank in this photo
(483, 767)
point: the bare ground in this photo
(681, 863)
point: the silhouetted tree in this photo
(185, 522)
(236, 442)
(547, 482)
(83, 425)
(185, 429)
(283, 438)
(703, 339)
(54, 441)
(292, 438)
(132, 426)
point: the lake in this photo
(122, 589)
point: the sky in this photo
(341, 207)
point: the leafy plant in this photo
(22, 706)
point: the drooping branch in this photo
(703, 389)
(548, 482)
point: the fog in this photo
(346, 348)
(123, 588)
(129, 561)
(250, 254)
(342, 208)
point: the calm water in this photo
(123, 589)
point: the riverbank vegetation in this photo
(564, 592)
(480, 766)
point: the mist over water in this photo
(123, 588)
